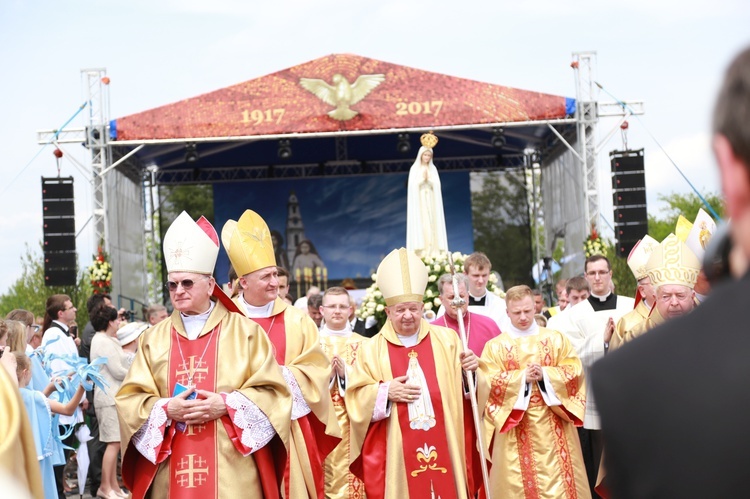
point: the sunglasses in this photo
(185, 283)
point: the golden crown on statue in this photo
(428, 140)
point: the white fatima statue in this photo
(425, 220)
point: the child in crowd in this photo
(42, 411)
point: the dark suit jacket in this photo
(675, 404)
(359, 327)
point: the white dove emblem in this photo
(342, 94)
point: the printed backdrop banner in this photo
(336, 93)
(350, 222)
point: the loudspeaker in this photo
(629, 180)
(628, 215)
(628, 198)
(58, 223)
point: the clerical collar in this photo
(344, 333)
(478, 300)
(598, 303)
(593, 297)
(61, 326)
(514, 332)
(194, 323)
(257, 312)
(409, 341)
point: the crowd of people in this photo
(243, 394)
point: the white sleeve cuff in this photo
(524, 395)
(257, 429)
(382, 405)
(299, 406)
(548, 394)
(150, 436)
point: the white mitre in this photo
(402, 277)
(640, 254)
(191, 246)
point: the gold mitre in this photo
(429, 139)
(248, 243)
(191, 246)
(639, 256)
(402, 277)
(672, 262)
(682, 228)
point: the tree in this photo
(686, 205)
(30, 293)
(197, 200)
(501, 226)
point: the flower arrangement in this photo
(100, 273)
(594, 244)
(373, 303)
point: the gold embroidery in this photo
(429, 456)
(195, 429)
(189, 372)
(188, 475)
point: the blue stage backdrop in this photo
(352, 222)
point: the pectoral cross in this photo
(187, 472)
(190, 371)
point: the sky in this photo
(669, 54)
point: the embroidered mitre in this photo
(639, 256)
(191, 246)
(248, 243)
(672, 262)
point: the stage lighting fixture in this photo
(285, 149)
(191, 153)
(403, 146)
(498, 138)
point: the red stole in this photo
(276, 331)
(426, 454)
(193, 470)
(317, 443)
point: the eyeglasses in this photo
(593, 273)
(186, 284)
(35, 327)
(336, 307)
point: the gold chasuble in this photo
(312, 436)
(627, 322)
(645, 325)
(536, 452)
(18, 457)
(419, 447)
(231, 356)
(340, 482)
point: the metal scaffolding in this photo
(97, 141)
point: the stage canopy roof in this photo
(342, 115)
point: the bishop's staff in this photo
(459, 302)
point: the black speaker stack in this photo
(628, 198)
(58, 215)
